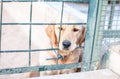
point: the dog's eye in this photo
(75, 29)
(60, 28)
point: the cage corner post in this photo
(90, 56)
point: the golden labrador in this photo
(71, 36)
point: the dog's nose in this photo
(66, 43)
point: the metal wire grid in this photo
(99, 35)
(112, 23)
(111, 28)
(30, 23)
(102, 30)
(107, 31)
(91, 51)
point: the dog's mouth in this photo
(67, 49)
(64, 53)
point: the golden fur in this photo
(76, 35)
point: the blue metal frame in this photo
(38, 68)
(86, 1)
(91, 56)
(90, 34)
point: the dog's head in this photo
(71, 36)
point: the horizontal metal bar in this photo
(111, 34)
(46, 1)
(33, 50)
(42, 23)
(39, 68)
(68, 0)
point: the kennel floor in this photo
(98, 74)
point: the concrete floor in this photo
(99, 74)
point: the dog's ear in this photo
(50, 31)
(81, 39)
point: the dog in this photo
(71, 36)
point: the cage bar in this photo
(38, 68)
(89, 40)
(86, 1)
(1, 7)
(98, 35)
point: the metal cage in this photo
(103, 29)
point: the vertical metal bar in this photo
(1, 9)
(111, 13)
(30, 31)
(61, 18)
(98, 36)
(89, 39)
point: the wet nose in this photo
(66, 43)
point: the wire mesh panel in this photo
(105, 31)
(19, 24)
(111, 35)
